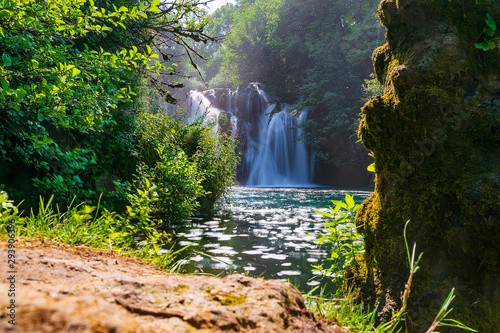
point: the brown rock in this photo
(60, 288)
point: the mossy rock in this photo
(435, 135)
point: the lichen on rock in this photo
(435, 135)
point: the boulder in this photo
(61, 288)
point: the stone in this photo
(62, 288)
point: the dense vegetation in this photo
(316, 53)
(79, 114)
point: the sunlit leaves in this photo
(154, 6)
(48, 85)
(340, 231)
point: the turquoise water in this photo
(266, 232)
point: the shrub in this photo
(190, 165)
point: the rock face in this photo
(77, 289)
(435, 134)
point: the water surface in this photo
(266, 232)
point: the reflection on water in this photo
(266, 232)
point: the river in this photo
(266, 232)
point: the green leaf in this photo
(7, 61)
(5, 83)
(20, 93)
(154, 6)
(485, 46)
(323, 213)
(350, 201)
(4, 13)
(75, 71)
(491, 22)
(488, 31)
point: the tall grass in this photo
(132, 234)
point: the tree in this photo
(315, 52)
(67, 76)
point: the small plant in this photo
(489, 29)
(347, 244)
(372, 88)
(440, 319)
(341, 232)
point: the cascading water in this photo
(268, 134)
(276, 158)
(197, 105)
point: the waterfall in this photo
(198, 105)
(272, 155)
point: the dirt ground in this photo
(62, 288)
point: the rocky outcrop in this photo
(435, 134)
(60, 288)
(248, 102)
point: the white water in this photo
(197, 105)
(276, 158)
(273, 156)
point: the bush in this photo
(190, 165)
(61, 92)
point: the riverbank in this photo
(62, 288)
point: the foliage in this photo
(372, 88)
(217, 159)
(74, 76)
(57, 89)
(341, 233)
(347, 244)
(188, 164)
(489, 29)
(86, 225)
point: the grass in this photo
(88, 225)
(352, 315)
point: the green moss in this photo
(227, 299)
(435, 138)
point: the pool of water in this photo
(266, 232)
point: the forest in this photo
(350, 148)
(315, 55)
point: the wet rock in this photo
(78, 289)
(248, 102)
